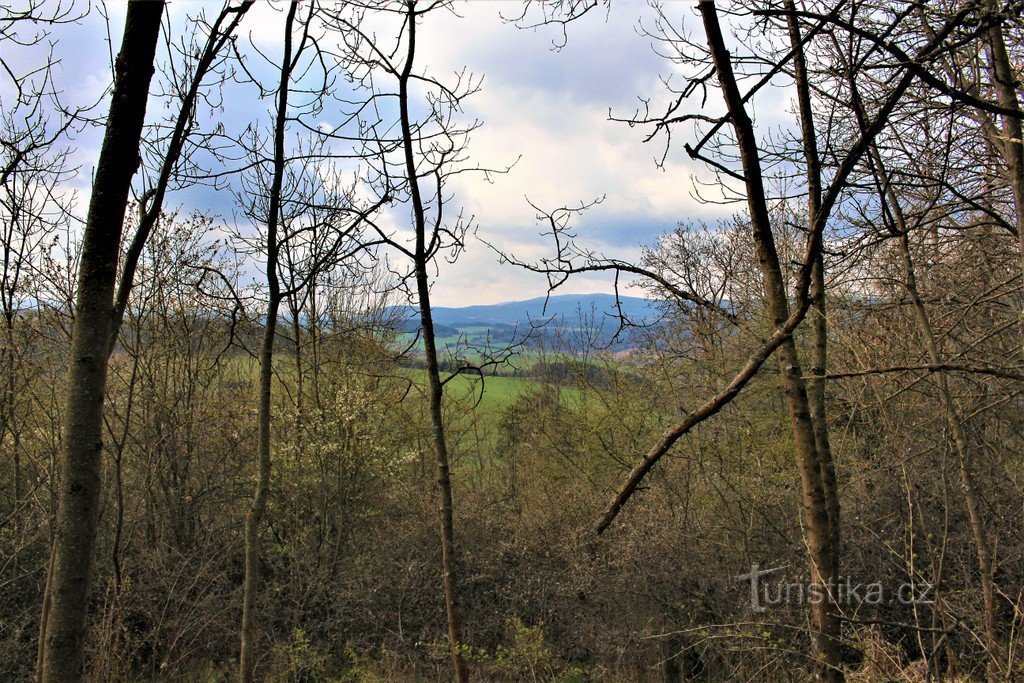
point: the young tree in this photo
(412, 161)
(272, 197)
(310, 223)
(34, 206)
(34, 210)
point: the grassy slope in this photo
(498, 392)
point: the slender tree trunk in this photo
(971, 497)
(44, 614)
(250, 587)
(819, 319)
(253, 518)
(300, 404)
(825, 624)
(8, 415)
(119, 448)
(79, 492)
(444, 483)
(12, 262)
(955, 423)
(1011, 140)
(422, 261)
(314, 344)
(220, 34)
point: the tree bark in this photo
(825, 625)
(79, 488)
(250, 585)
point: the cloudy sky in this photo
(547, 107)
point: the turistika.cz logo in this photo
(773, 593)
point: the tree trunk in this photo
(1011, 141)
(825, 625)
(971, 498)
(819, 320)
(422, 259)
(44, 614)
(444, 483)
(250, 585)
(79, 488)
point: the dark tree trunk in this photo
(247, 657)
(1011, 139)
(818, 312)
(825, 625)
(422, 262)
(79, 488)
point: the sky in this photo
(549, 108)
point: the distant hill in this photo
(557, 313)
(565, 306)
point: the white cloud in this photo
(550, 109)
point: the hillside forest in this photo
(238, 441)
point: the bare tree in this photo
(310, 224)
(34, 210)
(412, 161)
(819, 314)
(218, 36)
(272, 197)
(34, 207)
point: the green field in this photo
(498, 392)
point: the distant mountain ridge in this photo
(508, 320)
(560, 308)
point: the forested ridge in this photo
(240, 440)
